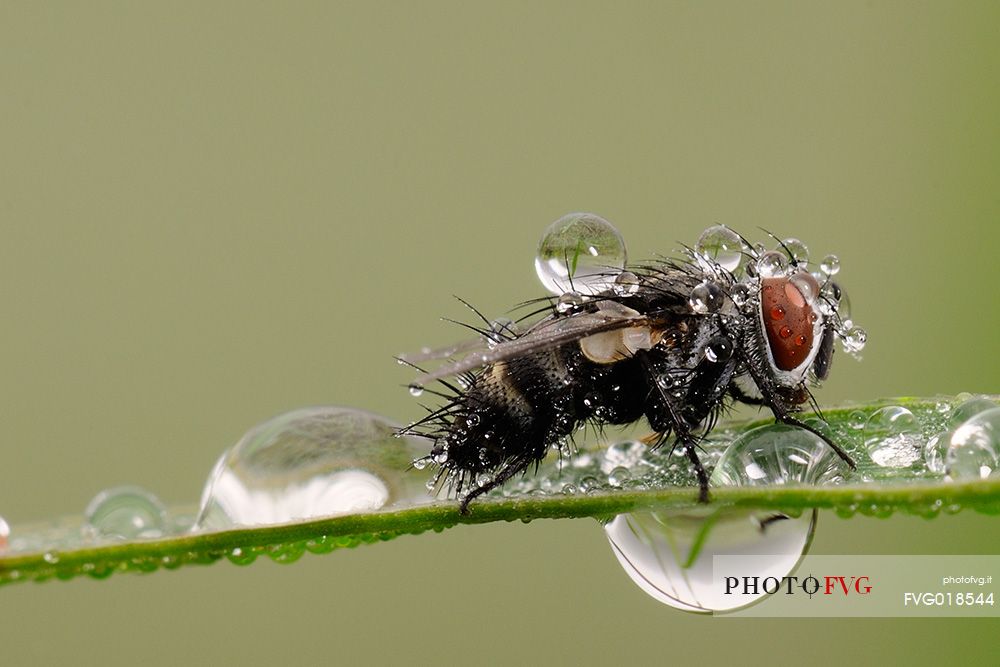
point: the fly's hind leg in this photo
(498, 480)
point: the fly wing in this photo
(461, 347)
(545, 335)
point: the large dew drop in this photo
(974, 448)
(312, 463)
(125, 513)
(580, 252)
(723, 246)
(670, 555)
(778, 454)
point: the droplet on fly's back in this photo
(312, 463)
(723, 246)
(798, 251)
(580, 252)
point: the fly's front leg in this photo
(785, 415)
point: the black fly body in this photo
(675, 342)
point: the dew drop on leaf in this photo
(312, 463)
(124, 512)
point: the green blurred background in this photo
(213, 213)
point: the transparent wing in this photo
(547, 334)
(461, 347)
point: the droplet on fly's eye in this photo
(721, 245)
(892, 437)
(626, 284)
(805, 284)
(855, 339)
(580, 252)
(798, 250)
(772, 264)
(124, 512)
(706, 297)
(974, 449)
(830, 265)
(679, 559)
(569, 301)
(311, 463)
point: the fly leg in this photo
(499, 480)
(784, 414)
(672, 419)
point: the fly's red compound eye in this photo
(789, 317)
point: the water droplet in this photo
(311, 463)
(619, 476)
(286, 553)
(935, 452)
(625, 455)
(772, 264)
(857, 420)
(969, 409)
(721, 245)
(974, 447)
(719, 349)
(626, 284)
(671, 557)
(854, 340)
(806, 285)
(844, 306)
(501, 329)
(741, 294)
(706, 297)
(778, 454)
(4, 534)
(416, 390)
(569, 301)
(830, 265)
(124, 512)
(799, 252)
(892, 437)
(241, 556)
(581, 252)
